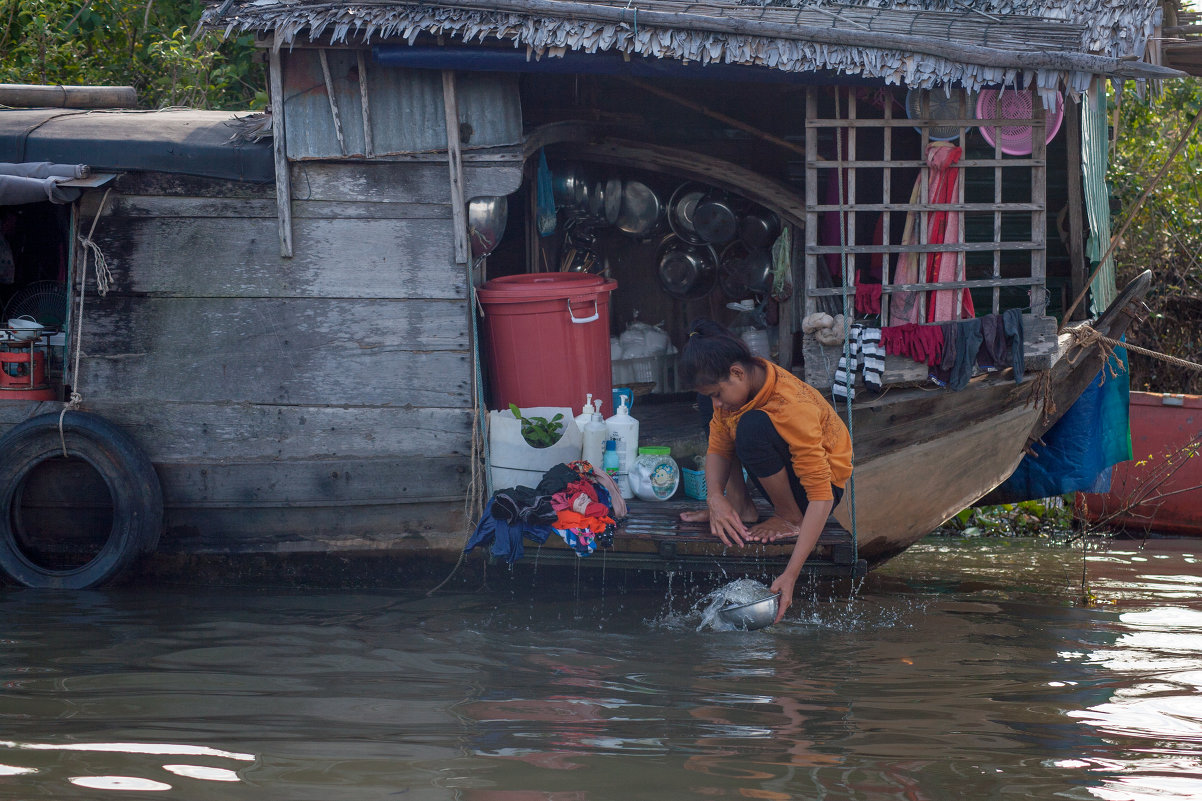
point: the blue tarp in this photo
(1076, 454)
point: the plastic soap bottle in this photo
(586, 413)
(625, 429)
(594, 440)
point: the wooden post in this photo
(1039, 217)
(369, 149)
(1076, 222)
(325, 72)
(455, 165)
(283, 180)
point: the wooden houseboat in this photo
(271, 334)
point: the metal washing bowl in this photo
(753, 615)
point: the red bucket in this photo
(546, 336)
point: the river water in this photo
(961, 670)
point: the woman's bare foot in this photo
(773, 529)
(747, 513)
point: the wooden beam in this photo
(455, 165)
(325, 73)
(368, 146)
(279, 145)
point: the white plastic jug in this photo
(594, 440)
(625, 429)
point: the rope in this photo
(104, 281)
(1085, 336)
(473, 500)
(847, 317)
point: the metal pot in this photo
(639, 211)
(596, 199)
(715, 219)
(681, 208)
(685, 271)
(611, 204)
(486, 221)
(567, 184)
(759, 229)
(743, 271)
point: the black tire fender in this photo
(133, 485)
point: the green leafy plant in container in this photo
(539, 432)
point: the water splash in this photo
(740, 591)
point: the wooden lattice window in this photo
(880, 149)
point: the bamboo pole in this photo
(21, 95)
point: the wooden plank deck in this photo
(654, 537)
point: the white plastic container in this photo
(625, 429)
(586, 412)
(656, 475)
(594, 440)
(514, 462)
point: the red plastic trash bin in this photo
(546, 337)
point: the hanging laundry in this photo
(863, 354)
(943, 227)
(968, 342)
(505, 536)
(922, 343)
(941, 373)
(994, 353)
(1012, 322)
(868, 282)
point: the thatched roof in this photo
(1049, 43)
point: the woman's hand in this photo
(725, 522)
(784, 585)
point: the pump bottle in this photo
(625, 429)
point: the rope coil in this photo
(104, 282)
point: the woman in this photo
(782, 431)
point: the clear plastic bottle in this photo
(625, 429)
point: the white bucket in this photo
(513, 461)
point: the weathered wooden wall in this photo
(322, 401)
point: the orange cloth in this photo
(818, 439)
(568, 519)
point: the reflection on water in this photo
(960, 670)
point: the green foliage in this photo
(539, 432)
(1165, 234)
(1039, 518)
(153, 46)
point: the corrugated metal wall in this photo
(405, 107)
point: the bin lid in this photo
(544, 286)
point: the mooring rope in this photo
(473, 501)
(847, 317)
(1084, 335)
(104, 281)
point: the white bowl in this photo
(25, 328)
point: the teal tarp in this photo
(1076, 454)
